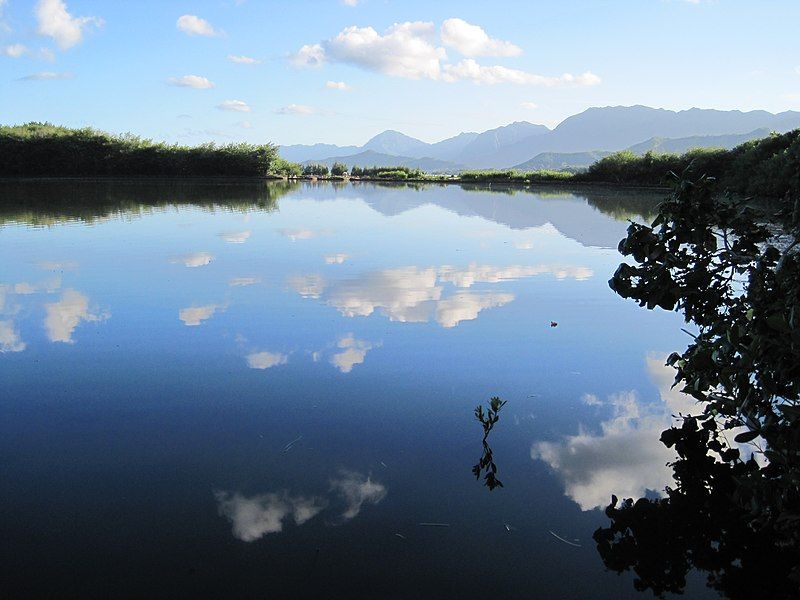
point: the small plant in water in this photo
(486, 463)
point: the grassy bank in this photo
(44, 150)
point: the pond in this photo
(236, 389)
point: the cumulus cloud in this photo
(337, 85)
(243, 60)
(14, 50)
(64, 316)
(266, 360)
(243, 281)
(412, 50)
(235, 105)
(351, 2)
(353, 352)
(336, 259)
(469, 70)
(529, 105)
(465, 306)
(236, 237)
(356, 490)
(192, 81)
(626, 457)
(47, 76)
(472, 40)
(194, 25)
(194, 315)
(10, 340)
(54, 21)
(194, 260)
(254, 517)
(299, 110)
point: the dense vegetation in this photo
(734, 511)
(766, 167)
(44, 150)
(387, 172)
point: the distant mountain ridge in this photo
(595, 130)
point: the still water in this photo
(239, 390)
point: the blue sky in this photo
(340, 71)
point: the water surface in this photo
(239, 390)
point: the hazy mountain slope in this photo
(680, 145)
(303, 152)
(491, 142)
(450, 148)
(561, 160)
(370, 158)
(396, 143)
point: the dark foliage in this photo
(721, 265)
(486, 463)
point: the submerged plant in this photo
(486, 462)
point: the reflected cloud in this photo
(415, 295)
(302, 233)
(626, 458)
(336, 259)
(473, 274)
(194, 315)
(266, 360)
(10, 340)
(308, 286)
(66, 265)
(356, 490)
(197, 259)
(256, 516)
(524, 245)
(236, 237)
(465, 306)
(243, 281)
(353, 353)
(66, 314)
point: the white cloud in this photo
(797, 70)
(55, 21)
(469, 70)
(353, 353)
(66, 314)
(197, 259)
(626, 457)
(465, 306)
(410, 50)
(336, 259)
(300, 110)
(524, 245)
(193, 81)
(47, 76)
(302, 233)
(236, 237)
(235, 105)
(475, 273)
(9, 338)
(245, 124)
(309, 56)
(194, 25)
(14, 50)
(266, 360)
(337, 85)
(194, 315)
(243, 281)
(351, 3)
(356, 489)
(256, 516)
(472, 40)
(529, 105)
(243, 60)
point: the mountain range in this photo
(575, 142)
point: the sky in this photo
(341, 71)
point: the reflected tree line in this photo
(734, 509)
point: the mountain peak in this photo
(394, 142)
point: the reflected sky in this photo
(238, 383)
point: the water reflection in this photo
(67, 313)
(626, 457)
(194, 315)
(266, 360)
(10, 340)
(253, 517)
(353, 352)
(196, 259)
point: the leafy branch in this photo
(486, 463)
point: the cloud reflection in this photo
(465, 306)
(336, 259)
(10, 340)
(194, 315)
(66, 314)
(266, 360)
(626, 458)
(236, 237)
(356, 490)
(197, 259)
(256, 516)
(353, 353)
